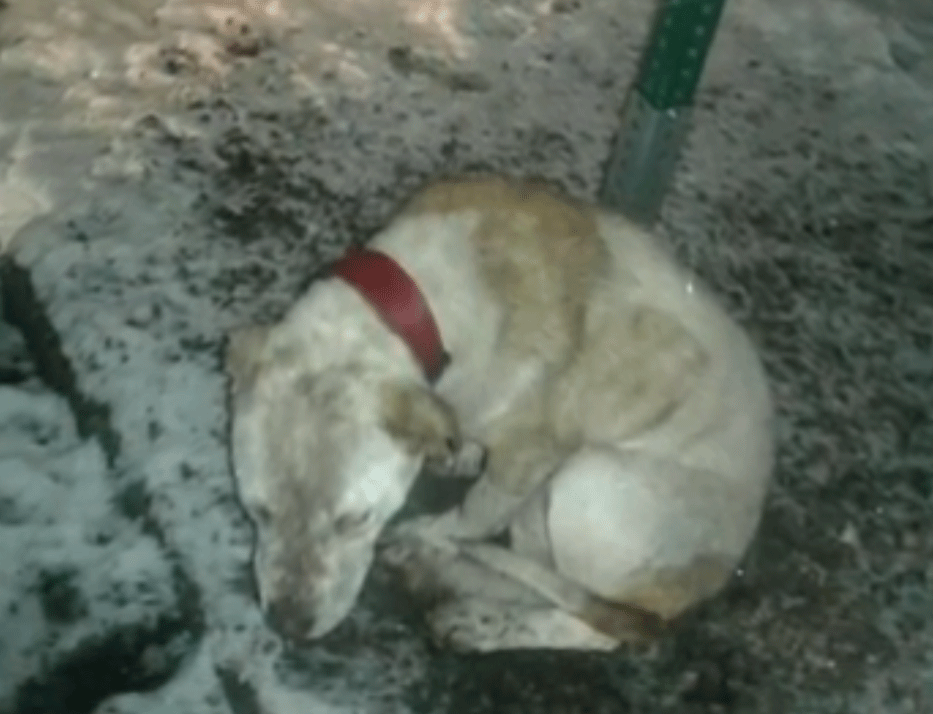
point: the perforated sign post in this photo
(656, 115)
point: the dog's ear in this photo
(421, 420)
(244, 346)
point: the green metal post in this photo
(656, 115)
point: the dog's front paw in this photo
(436, 530)
(469, 625)
(469, 461)
(400, 549)
(397, 553)
(420, 566)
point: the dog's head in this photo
(323, 457)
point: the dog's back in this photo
(627, 347)
(698, 377)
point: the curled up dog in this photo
(621, 422)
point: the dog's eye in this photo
(349, 522)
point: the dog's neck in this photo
(395, 296)
(334, 313)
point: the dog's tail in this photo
(622, 621)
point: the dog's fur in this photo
(626, 418)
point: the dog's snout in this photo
(289, 620)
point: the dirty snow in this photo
(171, 169)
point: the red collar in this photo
(395, 296)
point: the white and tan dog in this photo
(626, 422)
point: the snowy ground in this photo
(171, 169)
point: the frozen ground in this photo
(170, 169)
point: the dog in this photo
(617, 420)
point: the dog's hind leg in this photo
(472, 607)
(484, 598)
(635, 528)
(623, 622)
(481, 624)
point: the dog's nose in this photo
(289, 620)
